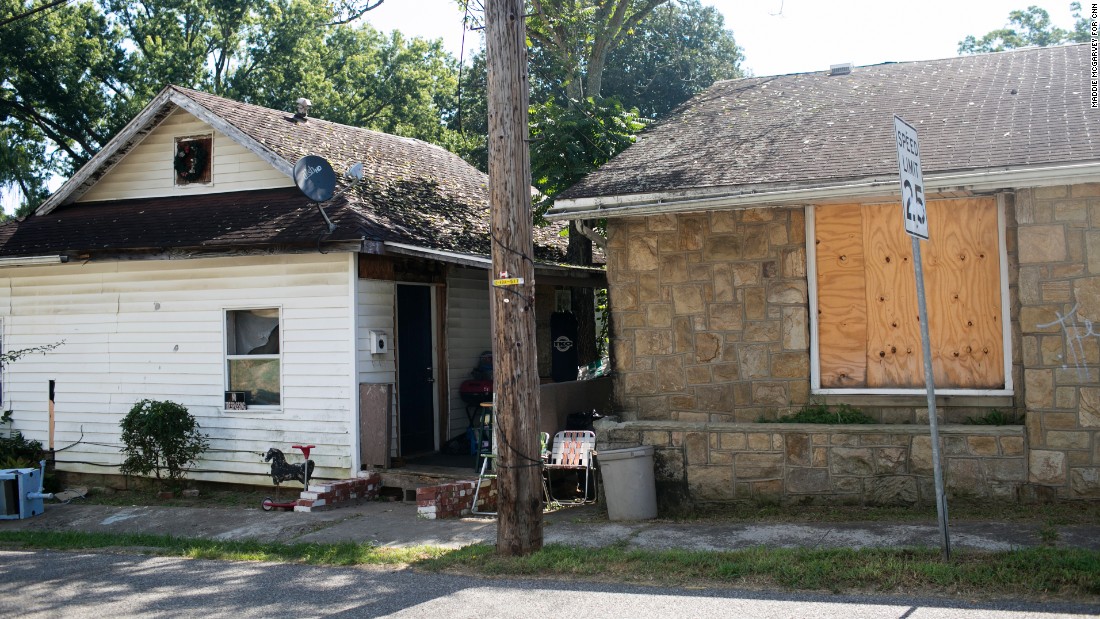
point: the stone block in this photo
(807, 481)
(723, 248)
(1012, 445)
(982, 445)
(754, 361)
(1086, 291)
(656, 438)
(790, 365)
(640, 382)
(1092, 251)
(762, 331)
(756, 303)
(1044, 243)
(683, 335)
(795, 332)
(794, 263)
(820, 457)
(890, 460)
(726, 372)
(710, 483)
(653, 341)
(1065, 397)
(642, 253)
(734, 441)
(1089, 412)
(687, 299)
(787, 293)
(1040, 319)
(693, 230)
(849, 461)
(695, 448)
(1005, 469)
(1059, 421)
(964, 477)
(891, 490)
(759, 441)
(1060, 439)
(758, 465)
(670, 374)
(797, 447)
(714, 398)
(847, 485)
(769, 393)
(1039, 388)
(697, 374)
(920, 455)
(1047, 468)
(658, 315)
(724, 317)
(768, 491)
(1085, 482)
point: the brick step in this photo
(340, 493)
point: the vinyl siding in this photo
(155, 329)
(146, 171)
(468, 336)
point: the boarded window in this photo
(252, 355)
(868, 325)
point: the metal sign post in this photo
(916, 226)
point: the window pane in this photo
(259, 377)
(252, 332)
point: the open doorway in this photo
(416, 369)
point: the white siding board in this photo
(119, 349)
(468, 335)
(146, 171)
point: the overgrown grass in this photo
(995, 417)
(822, 413)
(1047, 572)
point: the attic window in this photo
(191, 162)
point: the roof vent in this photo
(303, 109)
(840, 69)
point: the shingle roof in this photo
(1018, 108)
(413, 192)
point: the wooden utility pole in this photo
(512, 297)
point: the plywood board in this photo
(963, 288)
(894, 357)
(841, 296)
(374, 424)
(868, 323)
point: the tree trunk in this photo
(515, 363)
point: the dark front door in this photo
(415, 374)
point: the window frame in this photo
(226, 357)
(208, 142)
(812, 294)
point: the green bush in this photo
(161, 438)
(820, 413)
(16, 452)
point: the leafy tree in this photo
(80, 71)
(1026, 28)
(678, 51)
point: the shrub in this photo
(161, 438)
(16, 452)
(820, 413)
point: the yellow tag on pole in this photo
(511, 281)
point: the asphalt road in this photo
(61, 584)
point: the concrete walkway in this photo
(396, 524)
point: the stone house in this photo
(757, 263)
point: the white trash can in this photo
(628, 482)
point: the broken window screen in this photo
(867, 323)
(252, 355)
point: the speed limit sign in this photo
(912, 180)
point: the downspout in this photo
(591, 234)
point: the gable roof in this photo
(793, 136)
(413, 192)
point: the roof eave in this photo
(693, 200)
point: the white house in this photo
(182, 263)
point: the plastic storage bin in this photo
(628, 483)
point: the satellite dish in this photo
(355, 171)
(314, 176)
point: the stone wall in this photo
(710, 314)
(808, 463)
(1059, 321)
